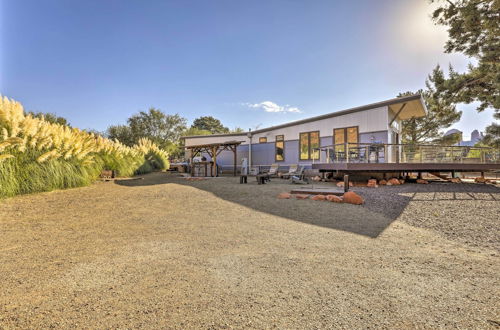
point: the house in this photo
(297, 142)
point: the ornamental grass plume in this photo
(36, 155)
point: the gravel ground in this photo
(165, 252)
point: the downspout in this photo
(249, 135)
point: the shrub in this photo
(36, 155)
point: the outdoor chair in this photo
(291, 171)
(273, 171)
(298, 175)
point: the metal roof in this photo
(390, 102)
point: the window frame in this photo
(276, 147)
(309, 153)
(341, 148)
(263, 139)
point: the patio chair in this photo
(291, 171)
(299, 176)
(273, 171)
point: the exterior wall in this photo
(371, 120)
(372, 124)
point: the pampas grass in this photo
(36, 155)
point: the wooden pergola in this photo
(213, 150)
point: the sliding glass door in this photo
(343, 135)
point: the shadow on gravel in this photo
(382, 205)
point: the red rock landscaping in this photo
(341, 184)
(318, 198)
(334, 198)
(284, 195)
(393, 182)
(353, 198)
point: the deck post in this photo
(346, 182)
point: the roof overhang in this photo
(409, 107)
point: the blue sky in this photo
(248, 63)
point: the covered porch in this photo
(213, 150)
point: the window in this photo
(343, 135)
(280, 148)
(262, 140)
(309, 141)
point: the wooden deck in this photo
(318, 191)
(406, 167)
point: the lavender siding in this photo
(263, 153)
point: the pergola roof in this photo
(215, 145)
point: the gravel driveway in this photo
(165, 252)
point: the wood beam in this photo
(397, 114)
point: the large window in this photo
(308, 143)
(280, 148)
(343, 135)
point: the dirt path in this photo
(162, 252)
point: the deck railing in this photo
(405, 153)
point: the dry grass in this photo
(164, 252)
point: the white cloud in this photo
(269, 106)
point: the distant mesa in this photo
(475, 137)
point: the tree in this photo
(95, 132)
(211, 124)
(237, 130)
(122, 133)
(492, 136)
(441, 113)
(474, 30)
(195, 131)
(50, 117)
(163, 129)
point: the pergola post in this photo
(214, 160)
(192, 161)
(234, 167)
